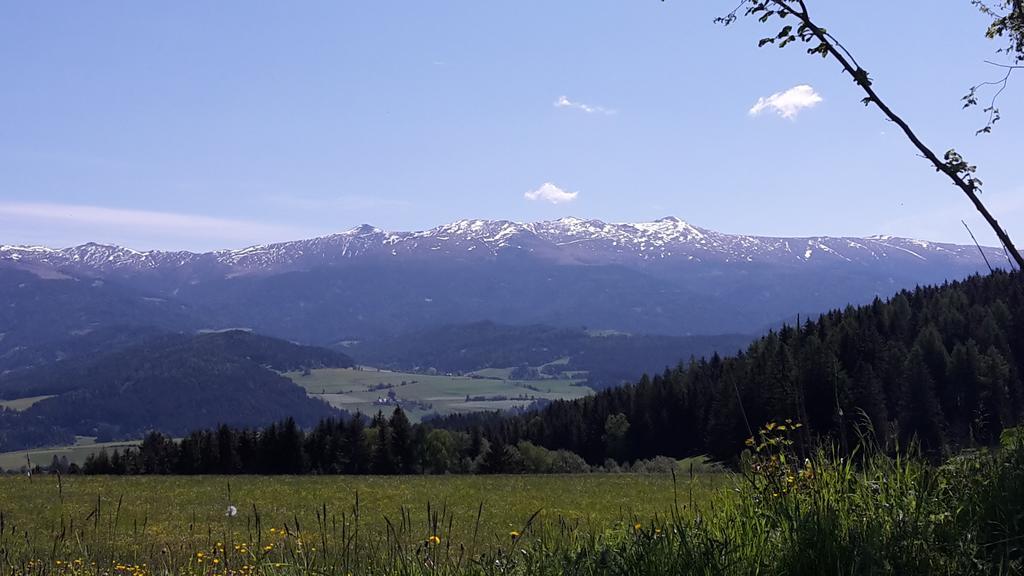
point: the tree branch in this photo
(860, 77)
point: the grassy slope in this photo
(83, 447)
(349, 389)
(20, 404)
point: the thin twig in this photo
(978, 245)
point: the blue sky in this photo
(199, 125)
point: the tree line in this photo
(383, 445)
(937, 366)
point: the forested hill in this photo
(607, 358)
(173, 383)
(942, 364)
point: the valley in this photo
(512, 288)
(368, 391)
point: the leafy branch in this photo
(824, 44)
(1007, 22)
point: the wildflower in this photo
(636, 526)
(514, 534)
(433, 540)
(232, 512)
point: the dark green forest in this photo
(170, 382)
(609, 359)
(937, 368)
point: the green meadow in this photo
(76, 453)
(20, 404)
(422, 394)
(779, 515)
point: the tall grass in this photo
(822, 514)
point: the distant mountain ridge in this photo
(565, 241)
(663, 277)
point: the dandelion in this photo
(433, 540)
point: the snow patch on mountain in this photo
(570, 240)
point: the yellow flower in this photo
(514, 534)
(636, 526)
(433, 540)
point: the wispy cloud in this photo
(548, 192)
(170, 229)
(565, 102)
(788, 103)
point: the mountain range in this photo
(564, 241)
(662, 277)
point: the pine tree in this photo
(497, 460)
(402, 442)
(357, 455)
(383, 456)
(921, 415)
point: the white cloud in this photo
(79, 222)
(548, 192)
(565, 102)
(789, 103)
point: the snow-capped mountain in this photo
(661, 277)
(566, 241)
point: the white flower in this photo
(232, 512)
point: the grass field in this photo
(781, 515)
(20, 404)
(169, 505)
(77, 453)
(422, 394)
(151, 519)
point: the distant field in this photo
(353, 390)
(20, 404)
(84, 445)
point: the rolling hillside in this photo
(172, 383)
